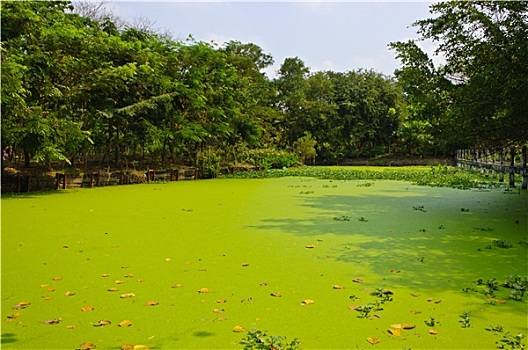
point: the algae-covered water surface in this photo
(336, 264)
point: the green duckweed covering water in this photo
(343, 244)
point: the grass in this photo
(200, 260)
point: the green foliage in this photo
(268, 158)
(305, 147)
(465, 319)
(260, 340)
(510, 341)
(209, 163)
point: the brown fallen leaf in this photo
(129, 275)
(140, 280)
(127, 347)
(102, 323)
(438, 301)
(238, 329)
(204, 290)
(408, 326)
(125, 323)
(353, 307)
(276, 294)
(152, 303)
(188, 262)
(415, 295)
(51, 290)
(47, 297)
(57, 278)
(87, 308)
(415, 312)
(430, 300)
(70, 294)
(433, 332)
(245, 264)
(127, 295)
(263, 284)
(54, 321)
(307, 302)
(373, 340)
(86, 346)
(13, 317)
(395, 332)
(357, 280)
(221, 301)
(338, 287)
(21, 305)
(218, 311)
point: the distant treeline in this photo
(81, 86)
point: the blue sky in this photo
(338, 36)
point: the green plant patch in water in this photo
(199, 264)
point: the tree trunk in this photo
(27, 157)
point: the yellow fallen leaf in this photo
(245, 264)
(338, 287)
(102, 323)
(307, 302)
(238, 329)
(168, 259)
(87, 308)
(373, 340)
(221, 301)
(433, 332)
(276, 294)
(71, 326)
(57, 278)
(176, 286)
(152, 303)
(218, 311)
(105, 275)
(44, 285)
(500, 301)
(125, 323)
(408, 326)
(87, 345)
(113, 289)
(70, 294)
(129, 275)
(396, 326)
(127, 347)
(51, 290)
(119, 282)
(21, 305)
(204, 290)
(127, 295)
(395, 332)
(13, 316)
(310, 246)
(141, 347)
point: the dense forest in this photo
(84, 88)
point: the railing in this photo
(496, 163)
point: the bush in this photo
(259, 340)
(209, 163)
(269, 158)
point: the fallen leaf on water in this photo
(433, 332)
(395, 271)
(129, 275)
(54, 321)
(71, 326)
(221, 301)
(125, 323)
(141, 347)
(47, 297)
(276, 294)
(87, 308)
(188, 262)
(124, 267)
(373, 340)
(408, 326)
(51, 290)
(119, 282)
(338, 287)
(87, 345)
(70, 294)
(238, 329)
(377, 316)
(204, 290)
(430, 299)
(353, 307)
(105, 275)
(152, 303)
(500, 301)
(396, 326)
(357, 280)
(127, 295)
(176, 286)
(127, 347)
(415, 312)
(438, 301)
(263, 284)
(168, 259)
(395, 332)
(245, 264)
(113, 289)
(140, 280)
(415, 295)
(218, 311)
(307, 302)
(13, 316)
(102, 323)
(44, 285)
(309, 246)
(387, 291)
(21, 305)
(58, 278)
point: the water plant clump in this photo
(465, 319)
(259, 340)
(510, 341)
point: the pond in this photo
(195, 264)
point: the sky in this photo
(338, 36)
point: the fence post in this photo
(524, 184)
(501, 168)
(512, 166)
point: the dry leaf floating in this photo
(310, 246)
(127, 295)
(70, 294)
(102, 323)
(245, 264)
(13, 317)
(238, 329)
(86, 346)
(105, 275)
(263, 284)
(433, 332)
(408, 326)
(276, 294)
(395, 332)
(357, 280)
(141, 347)
(152, 303)
(307, 302)
(113, 289)
(204, 290)
(129, 275)
(337, 286)
(221, 301)
(373, 340)
(125, 323)
(218, 311)
(21, 305)
(57, 278)
(54, 321)
(127, 347)
(87, 308)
